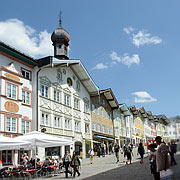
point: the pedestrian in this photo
(91, 154)
(105, 149)
(99, 151)
(141, 152)
(131, 149)
(152, 158)
(116, 150)
(75, 164)
(25, 160)
(161, 155)
(172, 151)
(66, 163)
(125, 152)
(129, 152)
(102, 150)
(110, 149)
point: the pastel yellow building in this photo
(139, 129)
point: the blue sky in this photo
(129, 46)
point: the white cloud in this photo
(142, 38)
(128, 30)
(100, 66)
(24, 38)
(143, 97)
(126, 59)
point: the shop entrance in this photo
(78, 148)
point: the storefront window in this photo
(7, 157)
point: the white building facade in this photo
(63, 91)
(16, 79)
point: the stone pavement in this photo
(136, 171)
(102, 164)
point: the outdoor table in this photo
(31, 171)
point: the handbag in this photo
(167, 175)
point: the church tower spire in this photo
(60, 38)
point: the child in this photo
(152, 159)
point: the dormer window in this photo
(26, 74)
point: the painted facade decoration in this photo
(15, 97)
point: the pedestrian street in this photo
(106, 168)
(100, 165)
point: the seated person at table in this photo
(38, 163)
(32, 161)
(47, 162)
(29, 164)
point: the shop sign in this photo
(10, 76)
(11, 106)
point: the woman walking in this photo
(141, 152)
(75, 164)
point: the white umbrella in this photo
(44, 140)
(7, 143)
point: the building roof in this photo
(108, 93)
(124, 109)
(16, 54)
(78, 69)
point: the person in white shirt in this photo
(91, 154)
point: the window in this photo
(76, 103)
(57, 122)
(97, 110)
(57, 96)
(45, 119)
(93, 108)
(94, 126)
(98, 127)
(110, 116)
(102, 112)
(111, 130)
(26, 74)
(77, 126)
(86, 128)
(11, 124)
(66, 100)
(26, 97)
(25, 126)
(44, 91)
(59, 76)
(7, 157)
(107, 115)
(103, 129)
(11, 91)
(78, 85)
(86, 107)
(107, 129)
(67, 123)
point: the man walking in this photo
(91, 154)
(66, 162)
(172, 151)
(162, 155)
(116, 149)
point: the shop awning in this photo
(103, 137)
(90, 140)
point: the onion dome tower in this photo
(60, 38)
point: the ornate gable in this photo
(45, 80)
(67, 90)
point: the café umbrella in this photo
(40, 139)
